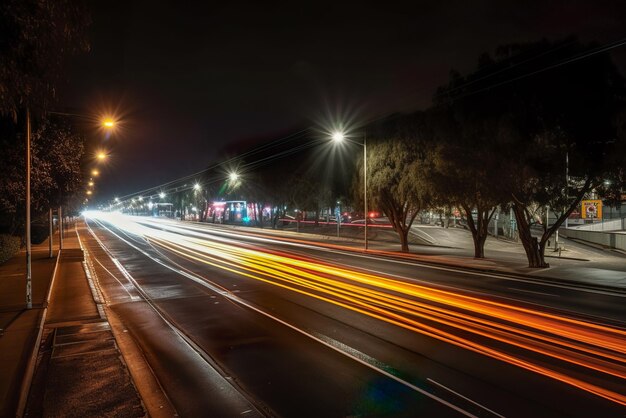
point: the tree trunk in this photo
(479, 245)
(276, 218)
(404, 239)
(534, 251)
(479, 231)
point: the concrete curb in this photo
(32, 361)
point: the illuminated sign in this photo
(592, 209)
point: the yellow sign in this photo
(592, 209)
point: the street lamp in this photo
(196, 187)
(101, 156)
(95, 173)
(339, 137)
(233, 176)
(108, 123)
(162, 195)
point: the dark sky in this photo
(190, 78)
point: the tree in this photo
(37, 36)
(463, 169)
(397, 165)
(545, 101)
(56, 170)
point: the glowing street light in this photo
(340, 137)
(95, 173)
(108, 123)
(117, 200)
(89, 192)
(162, 195)
(101, 156)
(233, 176)
(90, 184)
(197, 187)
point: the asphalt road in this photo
(240, 323)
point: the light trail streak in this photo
(447, 316)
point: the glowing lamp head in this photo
(233, 176)
(162, 195)
(117, 199)
(89, 192)
(338, 136)
(108, 123)
(196, 187)
(101, 156)
(90, 183)
(95, 173)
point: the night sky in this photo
(189, 79)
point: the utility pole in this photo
(60, 229)
(50, 232)
(566, 183)
(338, 217)
(29, 279)
(365, 185)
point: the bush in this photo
(39, 232)
(9, 245)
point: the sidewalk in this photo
(20, 327)
(77, 358)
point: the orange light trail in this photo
(447, 316)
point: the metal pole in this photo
(29, 290)
(60, 228)
(547, 219)
(566, 182)
(51, 232)
(338, 218)
(365, 185)
(495, 232)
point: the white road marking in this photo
(461, 396)
(209, 285)
(534, 292)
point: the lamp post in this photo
(29, 290)
(340, 137)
